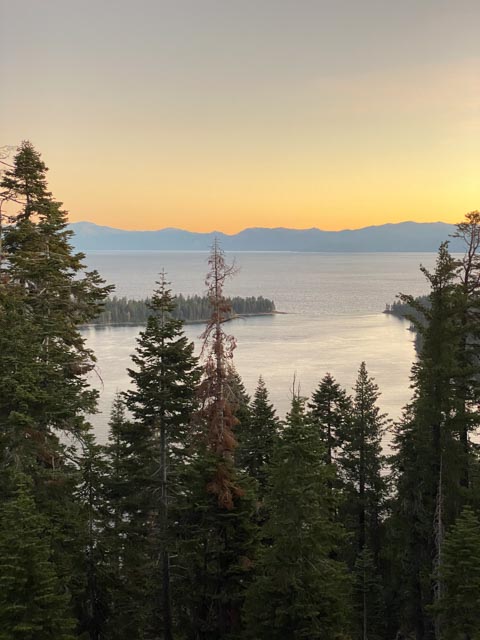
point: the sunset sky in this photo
(226, 114)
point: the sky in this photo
(225, 114)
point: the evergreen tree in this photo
(330, 410)
(361, 460)
(360, 464)
(216, 529)
(90, 573)
(429, 459)
(459, 603)
(239, 401)
(215, 553)
(44, 296)
(257, 437)
(468, 295)
(126, 564)
(34, 604)
(217, 412)
(161, 402)
(115, 483)
(300, 589)
(369, 610)
(165, 378)
(57, 296)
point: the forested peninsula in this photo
(408, 307)
(416, 309)
(188, 309)
(205, 516)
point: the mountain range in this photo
(404, 236)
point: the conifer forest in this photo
(189, 309)
(205, 516)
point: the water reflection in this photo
(278, 348)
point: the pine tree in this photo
(429, 459)
(20, 379)
(161, 402)
(468, 294)
(300, 589)
(44, 397)
(257, 436)
(215, 553)
(217, 412)
(216, 530)
(459, 603)
(369, 611)
(360, 465)
(90, 573)
(239, 401)
(361, 460)
(57, 296)
(43, 294)
(34, 604)
(116, 453)
(126, 566)
(330, 410)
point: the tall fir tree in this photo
(468, 293)
(239, 401)
(429, 458)
(360, 466)
(127, 565)
(45, 294)
(216, 396)
(90, 574)
(360, 462)
(161, 402)
(257, 436)
(216, 528)
(57, 295)
(330, 410)
(34, 602)
(458, 605)
(300, 589)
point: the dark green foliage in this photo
(44, 296)
(20, 376)
(360, 464)
(215, 553)
(156, 535)
(147, 455)
(127, 564)
(257, 435)
(330, 411)
(300, 589)
(458, 605)
(429, 457)
(403, 309)
(369, 610)
(91, 597)
(43, 286)
(166, 373)
(187, 308)
(34, 604)
(216, 530)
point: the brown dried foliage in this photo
(215, 397)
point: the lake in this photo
(333, 321)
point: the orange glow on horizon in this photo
(212, 116)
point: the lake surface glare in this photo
(333, 320)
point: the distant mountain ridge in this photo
(402, 236)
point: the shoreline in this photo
(186, 322)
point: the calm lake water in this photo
(334, 319)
